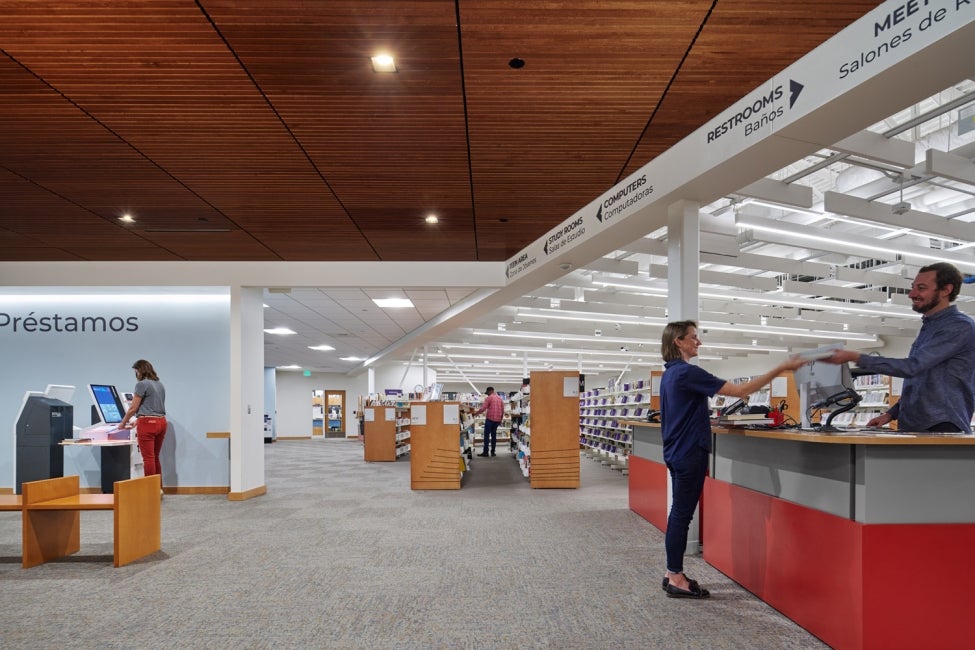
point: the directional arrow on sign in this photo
(794, 89)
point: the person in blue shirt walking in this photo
(939, 371)
(685, 422)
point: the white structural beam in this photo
(833, 291)
(606, 265)
(946, 165)
(786, 266)
(874, 146)
(883, 213)
(768, 189)
(769, 230)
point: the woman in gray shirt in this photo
(149, 407)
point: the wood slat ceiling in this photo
(258, 131)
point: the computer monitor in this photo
(108, 404)
(823, 385)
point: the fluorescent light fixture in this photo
(352, 358)
(291, 367)
(392, 303)
(869, 224)
(383, 63)
(321, 348)
(281, 331)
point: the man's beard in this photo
(925, 307)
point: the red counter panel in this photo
(852, 585)
(648, 490)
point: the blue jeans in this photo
(687, 482)
(490, 432)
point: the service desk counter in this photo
(865, 539)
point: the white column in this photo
(683, 294)
(246, 393)
(683, 260)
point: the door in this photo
(317, 412)
(334, 424)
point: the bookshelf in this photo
(605, 421)
(436, 444)
(387, 432)
(553, 437)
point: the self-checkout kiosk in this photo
(44, 421)
(120, 457)
(45, 426)
(107, 411)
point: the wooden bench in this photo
(52, 518)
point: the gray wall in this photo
(186, 338)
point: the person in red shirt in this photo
(493, 410)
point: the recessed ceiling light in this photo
(283, 331)
(386, 303)
(352, 358)
(291, 367)
(127, 218)
(383, 63)
(432, 218)
(321, 348)
(516, 63)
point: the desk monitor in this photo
(822, 385)
(108, 404)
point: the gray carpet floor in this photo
(342, 554)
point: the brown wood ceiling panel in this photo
(46, 220)
(312, 61)
(743, 44)
(549, 137)
(159, 75)
(263, 118)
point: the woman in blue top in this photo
(685, 423)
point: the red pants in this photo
(150, 431)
